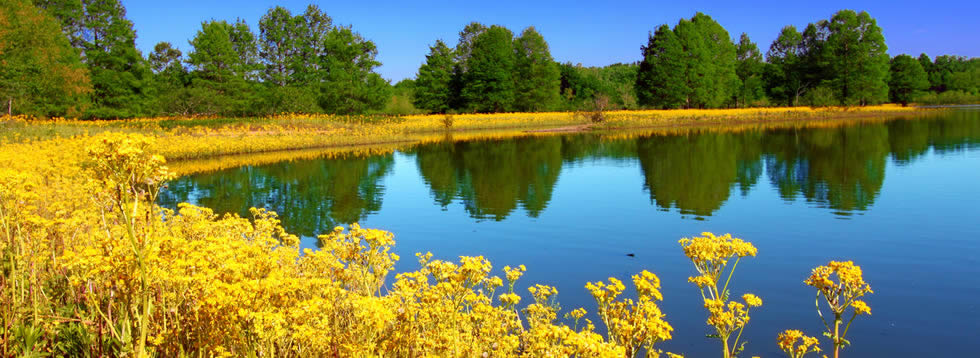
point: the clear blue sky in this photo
(593, 34)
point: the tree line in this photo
(78, 58)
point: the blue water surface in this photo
(899, 197)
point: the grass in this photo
(201, 138)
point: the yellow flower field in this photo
(91, 266)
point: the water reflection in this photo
(493, 177)
(317, 194)
(695, 171)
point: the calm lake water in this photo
(898, 197)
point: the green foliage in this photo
(489, 71)
(402, 99)
(748, 67)
(223, 61)
(908, 79)
(580, 86)
(660, 81)
(165, 57)
(710, 66)
(120, 77)
(303, 63)
(461, 54)
(170, 76)
(857, 58)
(948, 97)
(783, 73)
(488, 83)
(432, 86)
(537, 77)
(309, 67)
(279, 34)
(40, 73)
(351, 85)
(845, 54)
(692, 66)
(820, 96)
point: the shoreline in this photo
(196, 165)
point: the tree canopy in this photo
(78, 58)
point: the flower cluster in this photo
(841, 284)
(710, 254)
(797, 345)
(633, 324)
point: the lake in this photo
(899, 197)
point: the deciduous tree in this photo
(537, 76)
(748, 67)
(40, 73)
(858, 58)
(908, 79)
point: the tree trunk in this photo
(10, 105)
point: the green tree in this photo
(858, 58)
(309, 67)
(121, 79)
(488, 83)
(164, 57)
(432, 85)
(223, 61)
(538, 78)
(660, 80)
(784, 76)
(953, 73)
(814, 55)
(170, 76)
(710, 70)
(279, 34)
(908, 79)
(351, 85)
(40, 73)
(246, 46)
(748, 67)
(402, 98)
(577, 85)
(461, 55)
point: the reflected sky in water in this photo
(897, 197)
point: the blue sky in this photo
(593, 33)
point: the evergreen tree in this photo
(40, 73)
(432, 91)
(538, 79)
(858, 59)
(660, 81)
(223, 62)
(488, 83)
(749, 68)
(908, 79)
